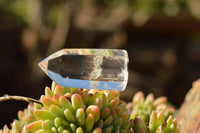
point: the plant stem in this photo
(19, 98)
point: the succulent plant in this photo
(151, 115)
(71, 110)
(143, 107)
(24, 118)
(157, 124)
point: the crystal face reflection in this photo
(88, 68)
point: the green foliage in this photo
(157, 124)
(70, 110)
(139, 11)
(74, 110)
(143, 107)
(150, 115)
(13, 11)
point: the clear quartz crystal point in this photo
(104, 69)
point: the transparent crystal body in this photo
(104, 69)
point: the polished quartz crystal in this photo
(104, 69)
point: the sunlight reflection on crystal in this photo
(104, 69)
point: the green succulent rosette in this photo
(150, 115)
(157, 124)
(143, 107)
(71, 110)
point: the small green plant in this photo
(152, 115)
(71, 110)
(156, 124)
(143, 107)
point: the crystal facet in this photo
(104, 69)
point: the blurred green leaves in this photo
(13, 11)
(17, 12)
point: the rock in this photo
(189, 114)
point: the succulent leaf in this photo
(69, 115)
(34, 126)
(89, 122)
(43, 114)
(56, 111)
(77, 101)
(80, 117)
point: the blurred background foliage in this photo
(25, 12)
(162, 38)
